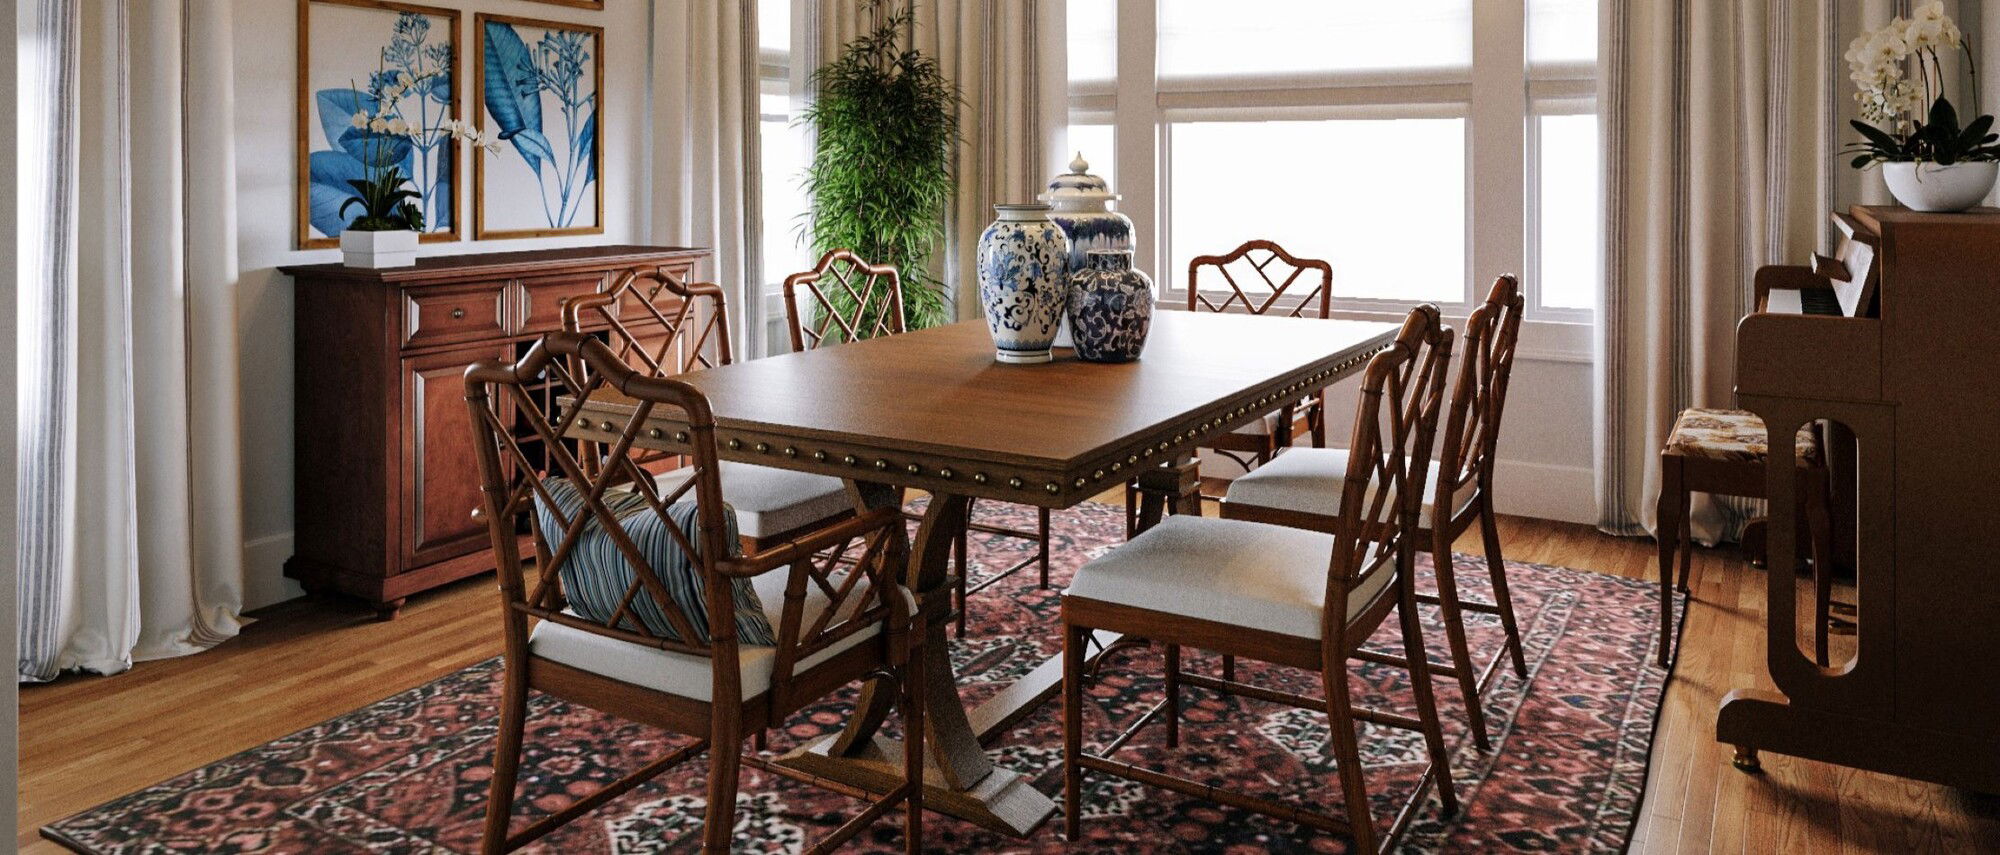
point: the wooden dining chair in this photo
(1724, 453)
(1302, 486)
(1292, 597)
(1257, 278)
(637, 601)
(845, 298)
(662, 326)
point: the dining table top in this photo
(933, 409)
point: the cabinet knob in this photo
(458, 314)
(478, 514)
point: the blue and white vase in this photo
(1110, 308)
(1081, 205)
(1023, 281)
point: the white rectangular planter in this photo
(378, 249)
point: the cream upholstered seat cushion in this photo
(687, 675)
(1231, 572)
(1311, 480)
(771, 501)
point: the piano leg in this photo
(1668, 513)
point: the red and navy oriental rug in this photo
(409, 774)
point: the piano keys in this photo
(1910, 365)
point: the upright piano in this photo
(1895, 339)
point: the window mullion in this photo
(1136, 110)
(1496, 225)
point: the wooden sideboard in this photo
(385, 476)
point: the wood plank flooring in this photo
(85, 740)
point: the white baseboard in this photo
(264, 581)
(1524, 489)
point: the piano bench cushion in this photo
(1735, 436)
(1230, 572)
(770, 501)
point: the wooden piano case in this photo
(385, 476)
(1919, 388)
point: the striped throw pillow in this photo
(596, 576)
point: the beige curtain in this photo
(706, 153)
(1720, 135)
(131, 504)
(1007, 57)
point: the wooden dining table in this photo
(932, 410)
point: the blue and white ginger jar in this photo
(1081, 205)
(1110, 308)
(1023, 281)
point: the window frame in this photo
(1498, 91)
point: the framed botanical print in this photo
(377, 102)
(537, 90)
(580, 4)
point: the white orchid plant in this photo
(386, 204)
(1912, 120)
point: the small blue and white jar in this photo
(1081, 205)
(1023, 282)
(1110, 308)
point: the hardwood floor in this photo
(85, 740)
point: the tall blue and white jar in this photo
(1081, 205)
(1110, 308)
(1023, 281)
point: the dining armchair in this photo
(661, 326)
(1291, 597)
(639, 602)
(1303, 487)
(845, 298)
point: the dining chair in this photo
(644, 606)
(1288, 596)
(1257, 278)
(845, 298)
(662, 326)
(1302, 486)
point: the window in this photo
(786, 148)
(1420, 146)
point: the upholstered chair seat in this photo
(1310, 481)
(687, 675)
(1239, 573)
(1732, 436)
(771, 501)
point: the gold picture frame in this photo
(485, 171)
(577, 4)
(312, 196)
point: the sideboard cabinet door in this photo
(438, 457)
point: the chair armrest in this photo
(1786, 277)
(791, 551)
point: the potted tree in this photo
(886, 119)
(1932, 163)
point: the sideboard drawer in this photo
(542, 301)
(442, 314)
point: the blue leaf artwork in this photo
(389, 109)
(539, 92)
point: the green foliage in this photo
(880, 179)
(385, 205)
(1938, 139)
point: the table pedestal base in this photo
(1003, 801)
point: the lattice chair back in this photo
(1389, 455)
(1260, 277)
(843, 298)
(657, 323)
(614, 555)
(1472, 428)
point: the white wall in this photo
(266, 65)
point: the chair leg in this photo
(1042, 531)
(1666, 532)
(1347, 755)
(1687, 543)
(1426, 696)
(1318, 419)
(1072, 689)
(1496, 567)
(1229, 668)
(960, 547)
(913, 748)
(1454, 633)
(724, 760)
(506, 757)
(1173, 696)
(1819, 526)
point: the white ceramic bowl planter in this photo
(1924, 186)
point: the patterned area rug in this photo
(408, 774)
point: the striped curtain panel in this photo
(130, 502)
(1008, 59)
